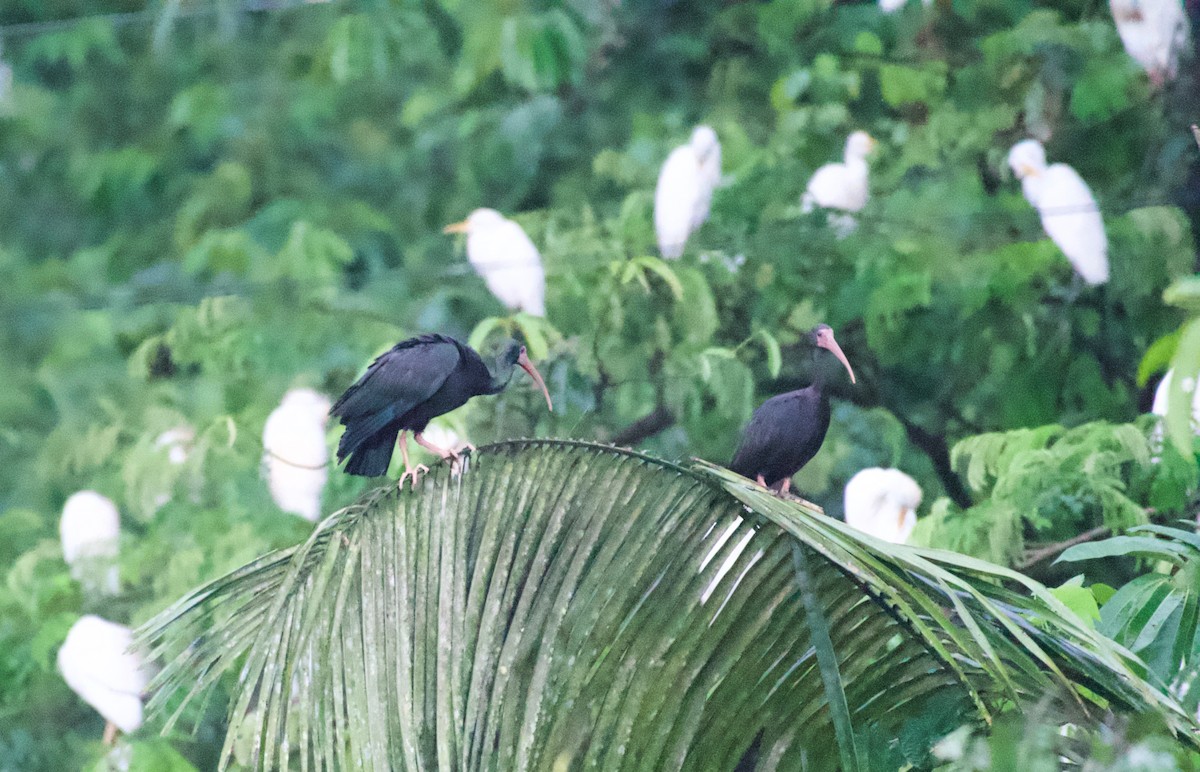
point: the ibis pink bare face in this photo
(527, 366)
(825, 340)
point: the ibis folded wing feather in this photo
(399, 380)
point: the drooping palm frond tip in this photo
(569, 603)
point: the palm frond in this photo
(563, 604)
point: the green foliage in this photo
(1155, 614)
(561, 603)
(205, 204)
(1049, 483)
(1039, 741)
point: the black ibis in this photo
(407, 386)
(787, 430)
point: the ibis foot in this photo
(415, 473)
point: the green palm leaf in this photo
(563, 604)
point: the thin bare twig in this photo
(1033, 557)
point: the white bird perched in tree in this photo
(1159, 408)
(295, 453)
(1070, 215)
(685, 189)
(891, 6)
(842, 185)
(1153, 33)
(502, 253)
(883, 503)
(90, 528)
(96, 662)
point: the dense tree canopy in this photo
(205, 204)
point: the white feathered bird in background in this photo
(883, 503)
(685, 189)
(96, 662)
(90, 529)
(1069, 213)
(1154, 32)
(502, 253)
(843, 186)
(295, 453)
(891, 6)
(1159, 408)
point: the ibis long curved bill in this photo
(527, 366)
(826, 341)
(456, 227)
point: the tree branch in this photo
(643, 428)
(934, 446)
(1033, 557)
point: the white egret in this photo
(96, 662)
(1070, 215)
(1159, 408)
(685, 188)
(891, 6)
(1154, 32)
(177, 442)
(842, 185)
(90, 528)
(883, 503)
(295, 454)
(502, 253)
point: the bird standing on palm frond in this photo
(409, 385)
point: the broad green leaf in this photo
(1140, 546)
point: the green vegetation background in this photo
(204, 204)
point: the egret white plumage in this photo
(90, 529)
(502, 253)
(1069, 213)
(883, 503)
(1154, 32)
(685, 188)
(177, 443)
(96, 662)
(891, 6)
(1159, 408)
(295, 454)
(842, 186)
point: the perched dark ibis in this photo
(787, 430)
(407, 386)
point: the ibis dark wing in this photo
(397, 381)
(768, 430)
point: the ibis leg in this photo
(110, 733)
(414, 472)
(762, 481)
(785, 486)
(451, 454)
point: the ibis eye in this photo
(522, 351)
